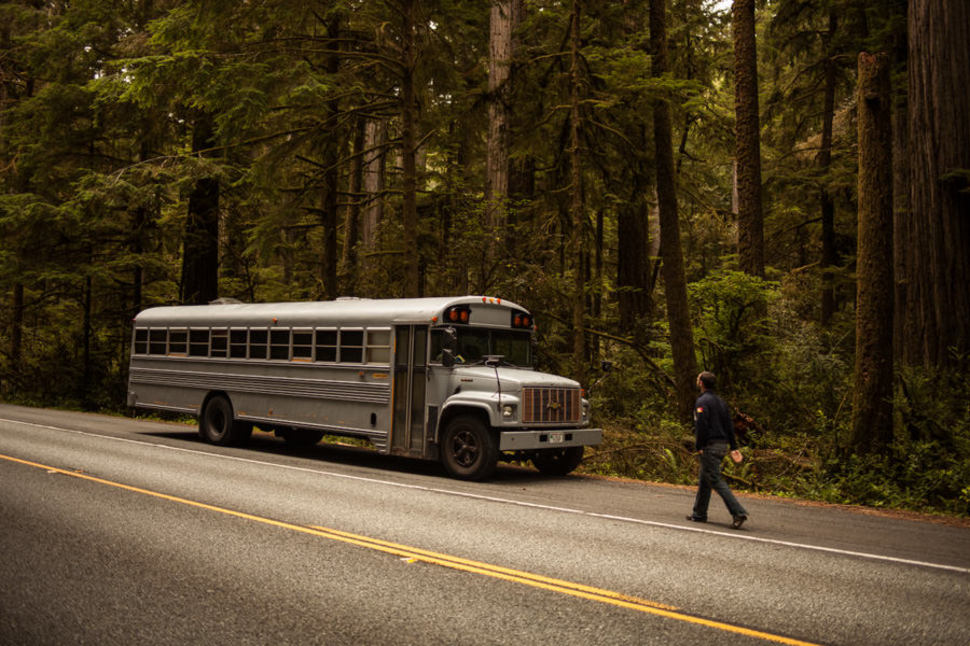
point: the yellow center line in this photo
(445, 560)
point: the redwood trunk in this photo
(675, 284)
(412, 256)
(502, 25)
(751, 254)
(577, 207)
(200, 258)
(872, 409)
(936, 257)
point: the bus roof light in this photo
(458, 314)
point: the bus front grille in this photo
(551, 405)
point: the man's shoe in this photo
(738, 521)
(696, 520)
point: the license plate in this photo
(556, 438)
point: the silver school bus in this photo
(433, 378)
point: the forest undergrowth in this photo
(788, 383)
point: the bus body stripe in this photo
(350, 391)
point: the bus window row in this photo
(371, 346)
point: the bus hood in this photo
(512, 379)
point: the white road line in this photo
(511, 501)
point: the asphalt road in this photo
(116, 531)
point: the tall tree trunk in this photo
(502, 24)
(872, 420)
(375, 156)
(903, 315)
(937, 261)
(348, 260)
(634, 297)
(751, 245)
(827, 204)
(412, 256)
(577, 206)
(200, 256)
(597, 296)
(328, 216)
(675, 283)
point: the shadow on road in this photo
(357, 456)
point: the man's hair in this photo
(708, 379)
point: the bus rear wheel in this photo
(558, 462)
(217, 424)
(468, 449)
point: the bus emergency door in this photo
(410, 388)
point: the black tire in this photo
(217, 424)
(558, 462)
(468, 449)
(300, 437)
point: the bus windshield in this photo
(474, 344)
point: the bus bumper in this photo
(549, 439)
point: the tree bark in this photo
(502, 24)
(675, 284)
(633, 255)
(328, 216)
(936, 258)
(872, 421)
(375, 139)
(904, 315)
(577, 206)
(348, 259)
(200, 257)
(412, 256)
(751, 252)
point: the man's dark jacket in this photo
(712, 422)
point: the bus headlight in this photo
(508, 411)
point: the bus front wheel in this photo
(468, 449)
(558, 462)
(217, 424)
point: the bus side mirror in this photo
(447, 357)
(449, 339)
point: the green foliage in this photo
(730, 310)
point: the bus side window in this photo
(379, 346)
(178, 342)
(302, 345)
(351, 346)
(237, 344)
(220, 343)
(326, 346)
(258, 340)
(199, 343)
(157, 340)
(141, 341)
(279, 344)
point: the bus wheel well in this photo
(212, 394)
(458, 411)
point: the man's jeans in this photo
(710, 478)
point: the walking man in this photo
(714, 436)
